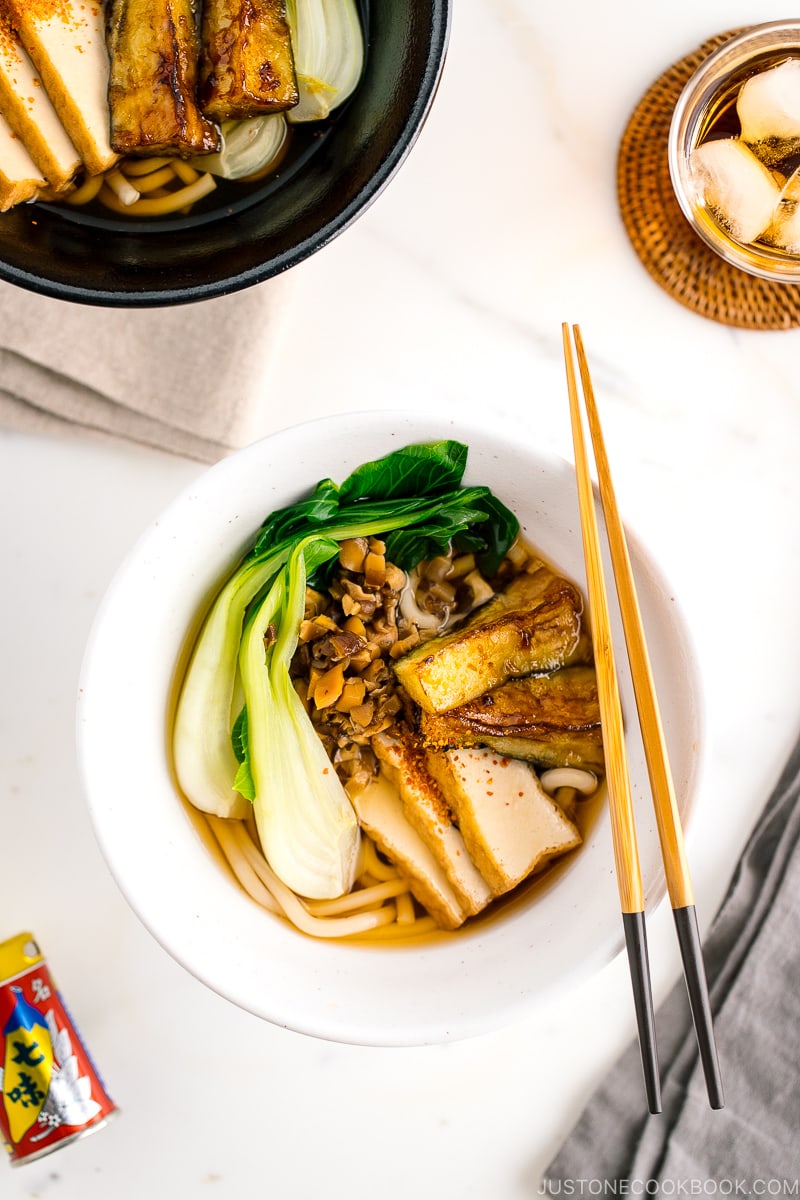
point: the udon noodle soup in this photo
(389, 719)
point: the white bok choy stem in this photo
(247, 147)
(203, 755)
(328, 45)
(306, 825)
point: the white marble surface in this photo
(448, 294)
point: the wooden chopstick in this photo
(668, 821)
(623, 829)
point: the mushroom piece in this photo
(412, 611)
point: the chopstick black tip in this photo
(699, 1003)
(636, 943)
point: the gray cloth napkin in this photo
(193, 379)
(752, 1146)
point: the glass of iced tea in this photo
(734, 151)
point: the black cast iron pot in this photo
(244, 237)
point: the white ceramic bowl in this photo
(448, 987)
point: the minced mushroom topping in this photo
(371, 614)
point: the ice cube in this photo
(784, 232)
(768, 107)
(790, 190)
(739, 191)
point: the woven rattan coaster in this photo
(662, 237)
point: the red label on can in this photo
(50, 1092)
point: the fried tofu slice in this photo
(511, 827)
(428, 812)
(534, 625)
(552, 720)
(20, 178)
(66, 43)
(26, 107)
(380, 812)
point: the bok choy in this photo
(247, 148)
(306, 825)
(328, 46)
(241, 733)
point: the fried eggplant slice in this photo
(534, 625)
(552, 720)
(246, 61)
(153, 47)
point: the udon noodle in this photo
(147, 187)
(379, 904)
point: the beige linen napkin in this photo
(192, 379)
